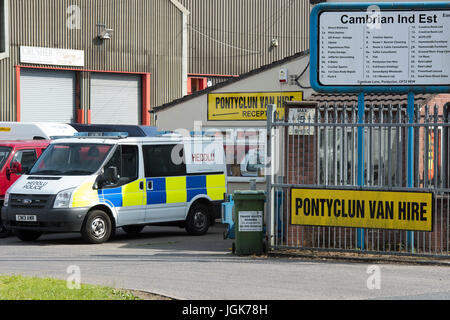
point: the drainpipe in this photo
(184, 51)
(4, 52)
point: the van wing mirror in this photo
(99, 182)
(106, 178)
(110, 175)
(15, 168)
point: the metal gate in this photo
(318, 148)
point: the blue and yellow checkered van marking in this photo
(165, 190)
(176, 190)
(132, 194)
(158, 194)
(195, 185)
(186, 188)
(111, 196)
(85, 195)
(216, 186)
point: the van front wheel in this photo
(198, 220)
(97, 227)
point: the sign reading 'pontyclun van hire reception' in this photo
(402, 47)
(362, 209)
(247, 106)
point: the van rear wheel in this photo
(97, 227)
(198, 220)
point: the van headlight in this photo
(6, 200)
(62, 199)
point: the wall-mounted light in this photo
(104, 33)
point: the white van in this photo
(94, 185)
(34, 130)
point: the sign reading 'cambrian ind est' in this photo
(379, 47)
(362, 209)
(389, 48)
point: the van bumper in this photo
(47, 220)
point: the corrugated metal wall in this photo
(146, 38)
(234, 36)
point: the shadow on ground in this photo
(152, 237)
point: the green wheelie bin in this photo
(248, 215)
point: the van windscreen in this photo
(76, 159)
(4, 153)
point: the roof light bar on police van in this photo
(202, 133)
(109, 135)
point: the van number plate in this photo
(26, 218)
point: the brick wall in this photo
(440, 100)
(438, 103)
(301, 168)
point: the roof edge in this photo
(230, 81)
(180, 7)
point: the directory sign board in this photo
(384, 47)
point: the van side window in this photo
(4, 154)
(164, 160)
(26, 158)
(122, 168)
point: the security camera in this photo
(103, 32)
(106, 34)
(274, 43)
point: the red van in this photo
(17, 157)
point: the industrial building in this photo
(88, 61)
(101, 61)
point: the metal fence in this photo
(318, 148)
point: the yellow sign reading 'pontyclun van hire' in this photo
(247, 106)
(362, 209)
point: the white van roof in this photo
(34, 130)
(125, 140)
(203, 154)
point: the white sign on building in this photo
(52, 56)
(302, 115)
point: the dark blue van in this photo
(132, 130)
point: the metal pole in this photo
(268, 176)
(410, 176)
(360, 232)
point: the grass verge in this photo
(18, 287)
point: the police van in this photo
(94, 185)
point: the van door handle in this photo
(150, 185)
(141, 185)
